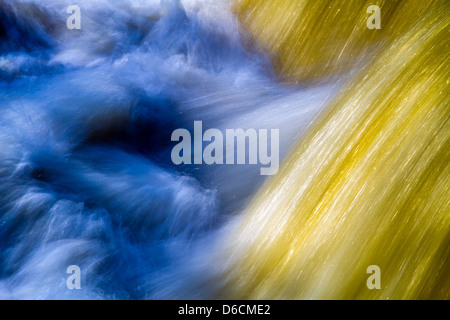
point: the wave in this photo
(86, 117)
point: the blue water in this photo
(86, 117)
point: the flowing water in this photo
(369, 184)
(86, 176)
(86, 117)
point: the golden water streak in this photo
(313, 39)
(368, 185)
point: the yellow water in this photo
(370, 182)
(312, 39)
